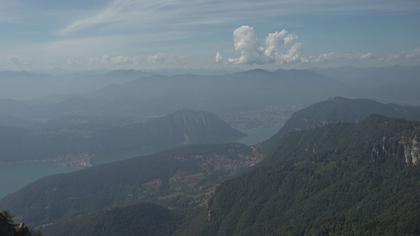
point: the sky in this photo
(206, 34)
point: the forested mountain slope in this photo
(141, 219)
(341, 179)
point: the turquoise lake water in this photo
(15, 176)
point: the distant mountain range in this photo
(32, 86)
(135, 93)
(79, 139)
(219, 94)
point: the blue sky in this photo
(187, 34)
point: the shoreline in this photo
(78, 163)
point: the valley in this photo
(201, 184)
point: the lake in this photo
(17, 175)
(258, 135)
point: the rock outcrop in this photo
(9, 228)
(411, 150)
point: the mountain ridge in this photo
(335, 110)
(99, 143)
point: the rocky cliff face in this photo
(411, 150)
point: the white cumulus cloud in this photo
(157, 59)
(367, 55)
(279, 47)
(117, 60)
(219, 58)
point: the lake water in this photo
(258, 135)
(15, 176)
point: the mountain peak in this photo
(254, 72)
(127, 73)
(197, 126)
(188, 112)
